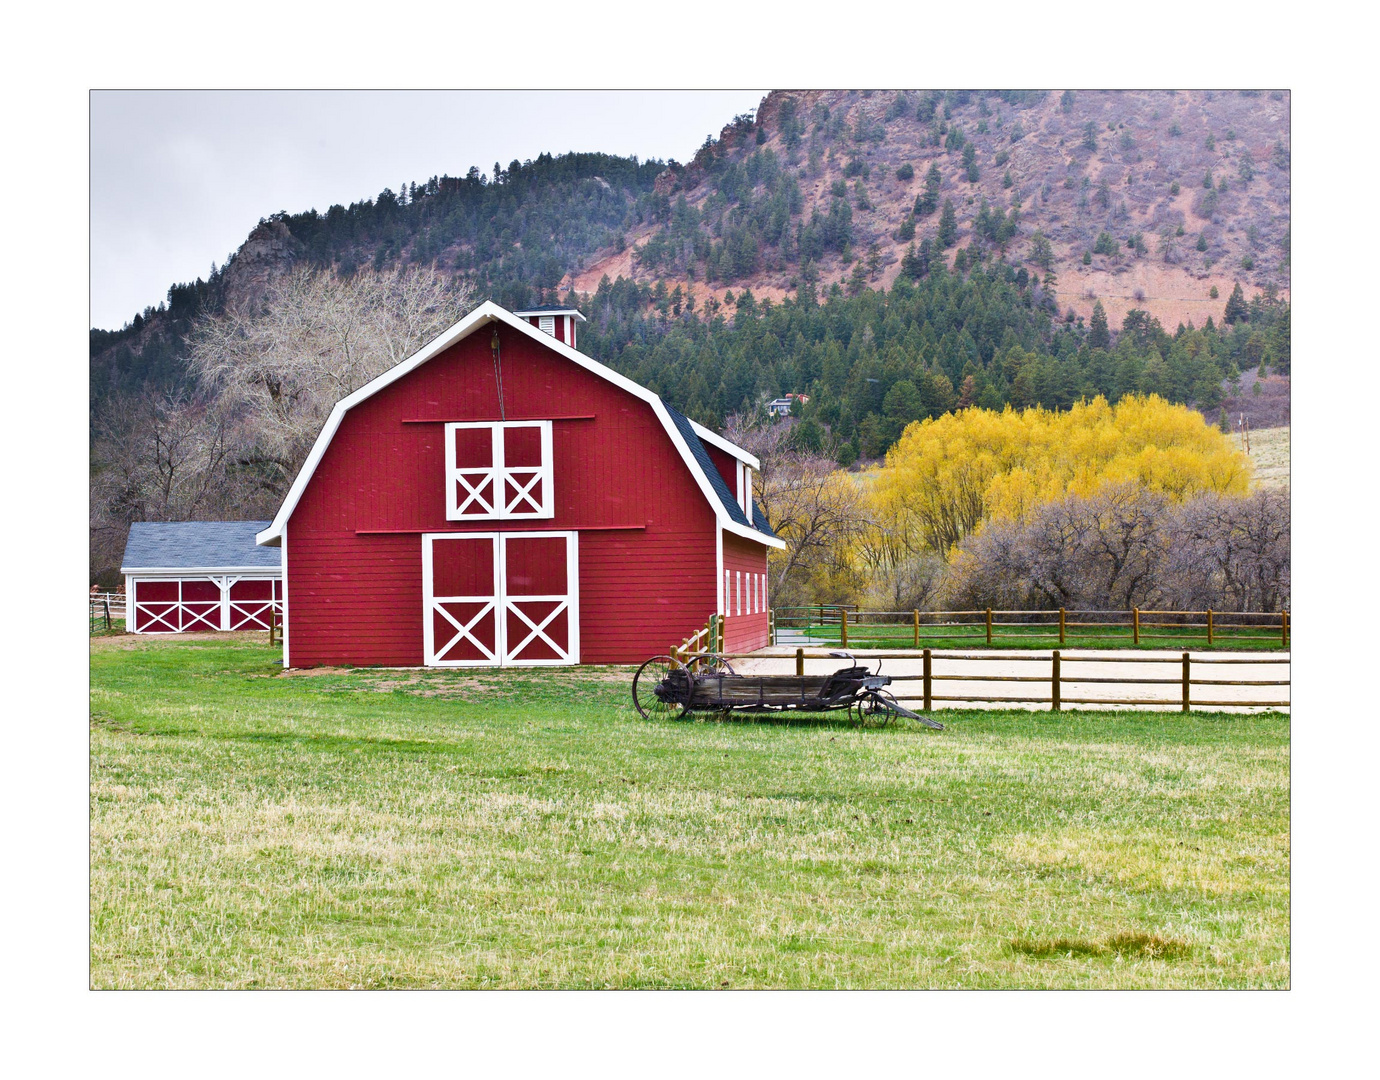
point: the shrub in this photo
(905, 172)
(1213, 293)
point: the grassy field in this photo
(1270, 456)
(869, 636)
(525, 829)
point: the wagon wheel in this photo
(710, 664)
(881, 705)
(661, 689)
(865, 712)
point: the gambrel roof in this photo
(727, 512)
(687, 428)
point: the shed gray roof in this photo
(716, 479)
(201, 545)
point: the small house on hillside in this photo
(188, 576)
(499, 498)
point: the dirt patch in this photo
(1147, 946)
(1172, 294)
(155, 641)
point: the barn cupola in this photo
(559, 322)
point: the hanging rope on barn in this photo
(498, 375)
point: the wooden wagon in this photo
(666, 687)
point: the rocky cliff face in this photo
(268, 253)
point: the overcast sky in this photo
(178, 179)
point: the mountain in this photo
(513, 234)
(1148, 199)
(1101, 196)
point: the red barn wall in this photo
(727, 465)
(744, 633)
(354, 539)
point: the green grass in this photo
(526, 829)
(1042, 637)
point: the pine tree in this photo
(1236, 306)
(948, 226)
(1099, 337)
(927, 202)
(1279, 343)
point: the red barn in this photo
(501, 499)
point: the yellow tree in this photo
(945, 477)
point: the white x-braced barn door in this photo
(493, 599)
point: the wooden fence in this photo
(1057, 677)
(825, 624)
(104, 608)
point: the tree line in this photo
(874, 362)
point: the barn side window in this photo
(499, 470)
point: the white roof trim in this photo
(183, 571)
(731, 449)
(481, 316)
(527, 314)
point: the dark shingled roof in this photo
(167, 545)
(716, 479)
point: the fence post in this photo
(915, 615)
(1054, 683)
(272, 626)
(1135, 626)
(800, 663)
(106, 604)
(843, 627)
(771, 625)
(989, 626)
(1209, 626)
(1061, 626)
(1186, 692)
(929, 700)
(1284, 628)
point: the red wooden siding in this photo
(727, 466)
(646, 547)
(742, 558)
(203, 603)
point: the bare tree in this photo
(1233, 554)
(1127, 547)
(158, 459)
(268, 373)
(282, 362)
(815, 508)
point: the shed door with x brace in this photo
(494, 599)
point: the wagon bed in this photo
(707, 683)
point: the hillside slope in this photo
(1073, 165)
(819, 189)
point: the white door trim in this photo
(569, 603)
(429, 602)
(499, 603)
